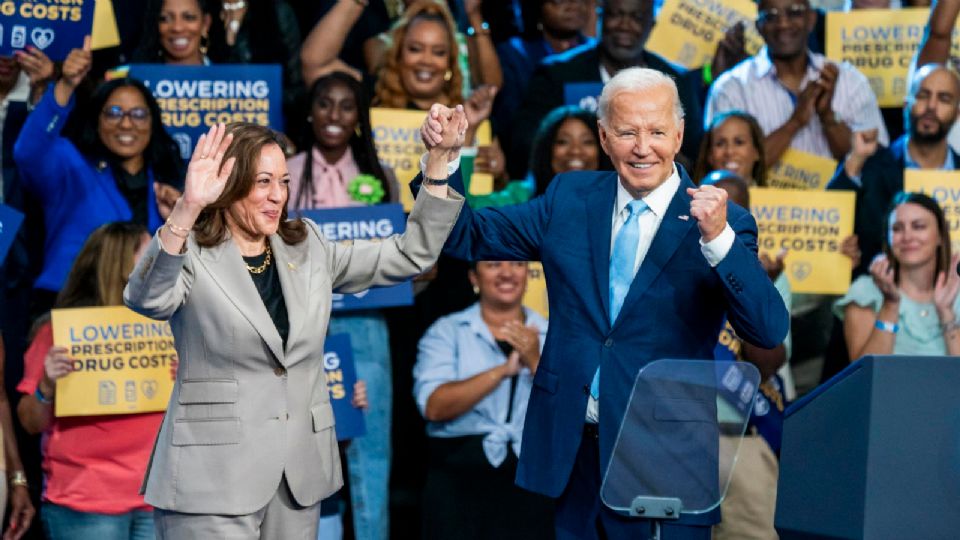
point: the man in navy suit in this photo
(640, 265)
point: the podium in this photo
(874, 453)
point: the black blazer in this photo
(880, 179)
(582, 64)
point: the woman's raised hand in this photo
(883, 277)
(945, 290)
(77, 64)
(207, 173)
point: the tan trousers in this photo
(281, 519)
(751, 499)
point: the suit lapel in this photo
(293, 266)
(226, 265)
(669, 236)
(600, 204)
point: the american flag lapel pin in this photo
(684, 217)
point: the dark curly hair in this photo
(389, 90)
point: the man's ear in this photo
(604, 137)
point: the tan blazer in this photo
(244, 411)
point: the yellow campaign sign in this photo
(881, 44)
(943, 187)
(535, 296)
(105, 33)
(687, 31)
(811, 229)
(396, 133)
(801, 170)
(122, 361)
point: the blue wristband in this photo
(42, 398)
(885, 326)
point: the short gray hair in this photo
(638, 79)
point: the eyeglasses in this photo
(791, 13)
(114, 115)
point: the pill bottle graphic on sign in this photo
(107, 394)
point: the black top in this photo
(133, 187)
(268, 285)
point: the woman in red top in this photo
(93, 465)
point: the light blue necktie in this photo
(622, 259)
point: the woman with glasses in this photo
(117, 165)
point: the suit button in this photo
(279, 371)
(608, 343)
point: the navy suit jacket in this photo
(674, 308)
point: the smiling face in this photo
(334, 116)
(732, 148)
(914, 235)
(182, 25)
(575, 148)
(258, 214)
(785, 26)
(501, 283)
(424, 59)
(642, 136)
(626, 26)
(125, 122)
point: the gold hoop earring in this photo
(357, 131)
(204, 44)
(447, 75)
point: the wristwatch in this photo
(427, 181)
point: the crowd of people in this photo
(445, 382)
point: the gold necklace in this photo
(260, 269)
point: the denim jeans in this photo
(368, 457)
(62, 523)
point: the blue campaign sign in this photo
(10, 221)
(341, 376)
(364, 223)
(585, 95)
(194, 98)
(53, 26)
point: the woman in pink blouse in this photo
(340, 168)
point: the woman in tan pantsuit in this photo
(247, 448)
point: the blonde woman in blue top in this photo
(908, 304)
(472, 381)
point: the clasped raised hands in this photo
(444, 129)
